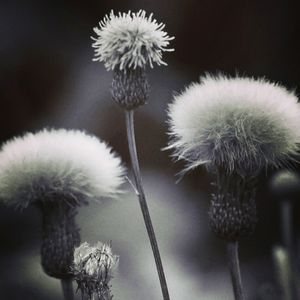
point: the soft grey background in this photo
(48, 79)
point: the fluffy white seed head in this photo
(94, 266)
(240, 124)
(50, 164)
(130, 40)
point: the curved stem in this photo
(234, 267)
(143, 203)
(67, 286)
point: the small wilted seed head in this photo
(130, 40)
(240, 124)
(59, 164)
(93, 269)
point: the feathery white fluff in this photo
(130, 40)
(50, 164)
(241, 124)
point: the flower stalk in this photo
(285, 188)
(235, 272)
(232, 215)
(127, 43)
(129, 114)
(288, 242)
(67, 287)
(287, 225)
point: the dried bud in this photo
(93, 269)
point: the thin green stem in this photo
(67, 286)
(234, 267)
(143, 203)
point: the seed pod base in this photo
(232, 213)
(130, 88)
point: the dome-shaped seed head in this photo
(67, 165)
(240, 124)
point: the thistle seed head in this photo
(240, 124)
(130, 40)
(58, 165)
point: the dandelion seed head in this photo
(50, 164)
(240, 124)
(130, 40)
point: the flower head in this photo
(93, 268)
(240, 124)
(64, 164)
(130, 40)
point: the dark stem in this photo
(286, 225)
(143, 203)
(234, 267)
(287, 239)
(67, 286)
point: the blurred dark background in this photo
(48, 79)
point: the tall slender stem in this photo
(143, 203)
(67, 286)
(286, 225)
(287, 238)
(234, 267)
